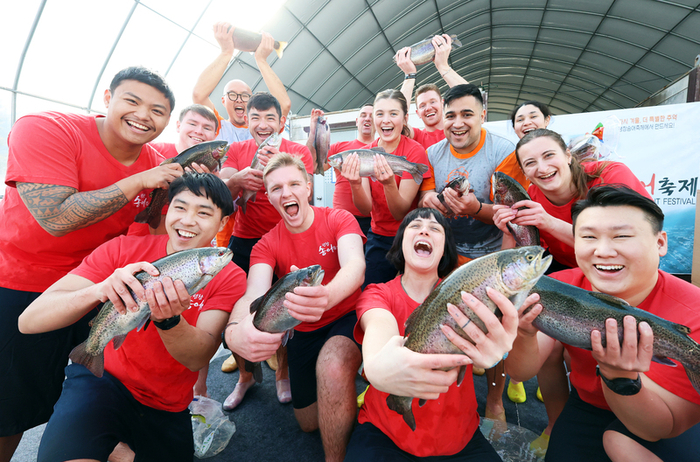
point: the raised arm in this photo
(207, 81)
(403, 60)
(443, 46)
(273, 83)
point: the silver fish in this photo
(459, 184)
(322, 142)
(246, 195)
(398, 164)
(507, 191)
(424, 51)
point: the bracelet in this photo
(481, 204)
(167, 324)
(223, 334)
(410, 76)
(446, 72)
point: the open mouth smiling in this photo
(608, 268)
(137, 125)
(423, 248)
(291, 208)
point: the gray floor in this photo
(267, 430)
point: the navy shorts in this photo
(379, 269)
(365, 223)
(31, 365)
(685, 446)
(94, 414)
(368, 443)
(241, 249)
(302, 353)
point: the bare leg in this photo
(554, 385)
(200, 388)
(282, 372)
(122, 453)
(8, 445)
(621, 448)
(494, 399)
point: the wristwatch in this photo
(621, 386)
(167, 324)
(223, 335)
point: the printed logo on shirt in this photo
(325, 248)
(197, 302)
(141, 201)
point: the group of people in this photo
(75, 184)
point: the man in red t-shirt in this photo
(142, 397)
(323, 356)
(621, 402)
(73, 182)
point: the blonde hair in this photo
(284, 159)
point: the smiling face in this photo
(194, 129)
(423, 244)
(263, 123)
(618, 251)
(429, 108)
(288, 192)
(192, 221)
(364, 123)
(462, 124)
(528, 118)
(546, 165)
(136, 113)
(389, 119)
(236, 110)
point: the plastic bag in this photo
(211, 428)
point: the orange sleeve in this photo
(219, 118)
(428, 184)
(223, 236)
(511, 167)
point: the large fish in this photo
(569, 314)
(459, 184)
(424, 51)
(322, 142)
(507, 191)
(512, 272)
(247, 195)
(270, 313)
(246, 40)
(398, 164)
(209, 153)
(194, 267)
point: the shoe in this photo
(539, 394)
(284, 391)
(361, 398)
(236, 396)
(539, 446)
(478, 370)
(516, 392)
(272, 362)
(229, 365)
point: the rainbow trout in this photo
(424, 51)
(512, 272)
(246, 40)
(459, 184)
(570, 313)
(209, 153)
(194, 267)
(270, 313)
(322, 142)
(398, 164)
(246, 195)
(507, 191)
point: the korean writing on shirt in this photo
(326, 247)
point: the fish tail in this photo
(402, 405)
(456, 43)
(241, 203)
(255, 369)
(93, 363)
(417, 174)
(142, 216)
(280, 49)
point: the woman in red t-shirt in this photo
(447, 424)
(391, 197)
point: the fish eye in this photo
(530, 257)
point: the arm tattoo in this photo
(62, 209)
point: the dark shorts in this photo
(94, 414)
(379, 269)
(31, 366)
(685, 446)
(365, 223)
(241, 249)
(368, 443)
(302, 353)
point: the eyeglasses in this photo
(233, 96)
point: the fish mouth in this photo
(335, 163)
(317, 276)
(423, 248)
(291, 208)
(608, 268)
(137, 125)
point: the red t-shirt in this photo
(672, 299)
(318, 245)
(443, 426)
(167, 150)
(383, 223)
(426, 138)
(66, 150)
(142, 363)
(260, 216)
(613, 173)
(342, 195)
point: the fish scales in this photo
(398, 164)
(322, 143)
(507, 191)
(423, 52)
(512, 272)
(459, 184)
(245, 40)
(247, 195)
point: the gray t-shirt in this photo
(232, 134)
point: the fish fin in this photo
(372, 177)
(241, 204)
(663, 360)
(95, 364)
(144, 322)
(378, 150)
(421, 402)
(280, 50)
(456, 42)
(399, 404)
(256, 303)
(118, 341)
(288, 334)
(461, 374)
(417, 177)
(142, 216)
(222, 161)
(611, 299)
(256, 369)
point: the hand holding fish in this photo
(490, 348)
(223, 33)
(528, 312)
(249, 178)
(351, 169)
(502, 215)
(383, 172)
(267, 44)
(627, 357)
(199, 168)
(431, 200)
(461, 205)
(253, 344)
(116, 287)
(160, 176)
(167, 298)
(443, 47)
(307, 304)
(531, 213)
(403, 60)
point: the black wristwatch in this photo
(621, 386)
(167, 324)
(223, 335)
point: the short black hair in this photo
(147, 76)
(263, 101)
(460, 91)
(544, 109)
(202, 110)
(612, 195)
(204, 184)
(448, 262)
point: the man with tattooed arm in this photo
(73, 183)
